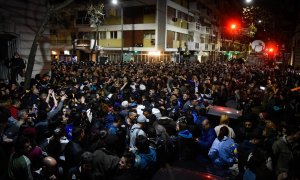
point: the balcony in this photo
(193, 46)
(83, 43)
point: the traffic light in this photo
(271, 50)
(233, 26)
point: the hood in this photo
(185, 134)
(144, 160)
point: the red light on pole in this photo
(233, 26)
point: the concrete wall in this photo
(22, 18)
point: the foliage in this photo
(95, 14)
(255, 17)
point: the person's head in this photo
(185, 96)
(16, 55)
(205, 124)
(194, 100)
(35, 90)
(86, 162)
(173, 99)
(255, 138)
(224, 131)
(270, 129)
(127, 160)
(118, 121)
(293, 133)
(66, 111)
(176, 91)
(16, 103)
(142, 119)
(132, 115)
(151, 92)
(248, 124)
(23, 114)
(224, 119)
(49, 166)
(142, 144)
(77, 133)
(22, 145)
(147, 112)
(181, 124)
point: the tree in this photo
(52, 8)
(255, 17)
(96, 17)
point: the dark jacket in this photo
(105, 164)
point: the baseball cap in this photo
(142, 119)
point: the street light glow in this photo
(233, 26)
(259, 21)
(115, 2)
(248, 1)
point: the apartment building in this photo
(152, 30)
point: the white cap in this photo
(124, 104)
(156, 112)
(142, 87)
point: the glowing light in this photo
(66, 52)
(53, 52)
(154, 53)
(233, 26)
(115, 2)
(248, 1)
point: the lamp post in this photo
(115, 2)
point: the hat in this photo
(156, 112)
(142, 119)
(124, 104)
(142, 87)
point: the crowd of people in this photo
(127, 121)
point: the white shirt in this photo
(231, 133)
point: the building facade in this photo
(145, 30)
(18, 26)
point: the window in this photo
(149, 10)
(84, 35)
(149, 35)
(198, 26)
(102, 34)
(206, 46)
(171, 12)
(112, 12)
(207, 29)
(113, 35)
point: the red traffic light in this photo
(233, 26)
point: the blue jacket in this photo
(207, 138)
(221, 152)
(143, 161)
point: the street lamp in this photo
(248, 1)
(115, 2)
